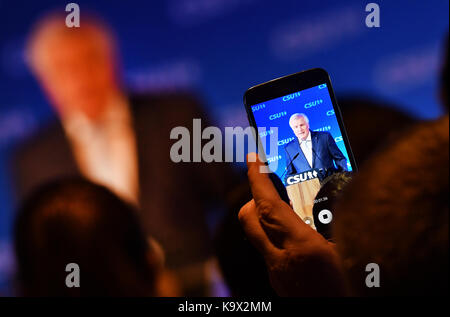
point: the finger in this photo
(277, 219)
(260, 183)
(281, 225)
(249, 219)
(286, 231)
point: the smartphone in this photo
(300, 135)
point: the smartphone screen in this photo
(311, 143)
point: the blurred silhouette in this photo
(120, 141)
(400, 219)
(76, 221)
(371, 124)
(242, 266)
(395, 213)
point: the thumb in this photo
(281, 224)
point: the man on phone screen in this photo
(312, 149)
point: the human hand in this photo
(299, 260)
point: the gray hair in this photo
(298, 115)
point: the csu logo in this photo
(338, 139)
(258, 107)
(277, 115)
(330, 113)
(313, 103)
(273, 159)
(265, 133)
(302, 177)
(285, 141)
(291, 96)
(325, 128)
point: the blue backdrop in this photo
(219, 48)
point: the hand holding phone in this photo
(299, 260)
(301, 110)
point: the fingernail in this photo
(252, 157)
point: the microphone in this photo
(321, 169)
(290, 163)
(316, 155)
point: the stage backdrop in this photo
(219, 48)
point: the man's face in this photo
(300, 128)
(77, 74)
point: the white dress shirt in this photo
(306, 146)
(105, 150)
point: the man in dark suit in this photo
(121, 142)
(312, 149)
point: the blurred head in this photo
(299, 123)
(395, 213)
(372, 124)
(76, 221)
(242, 266)
(75, 66)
